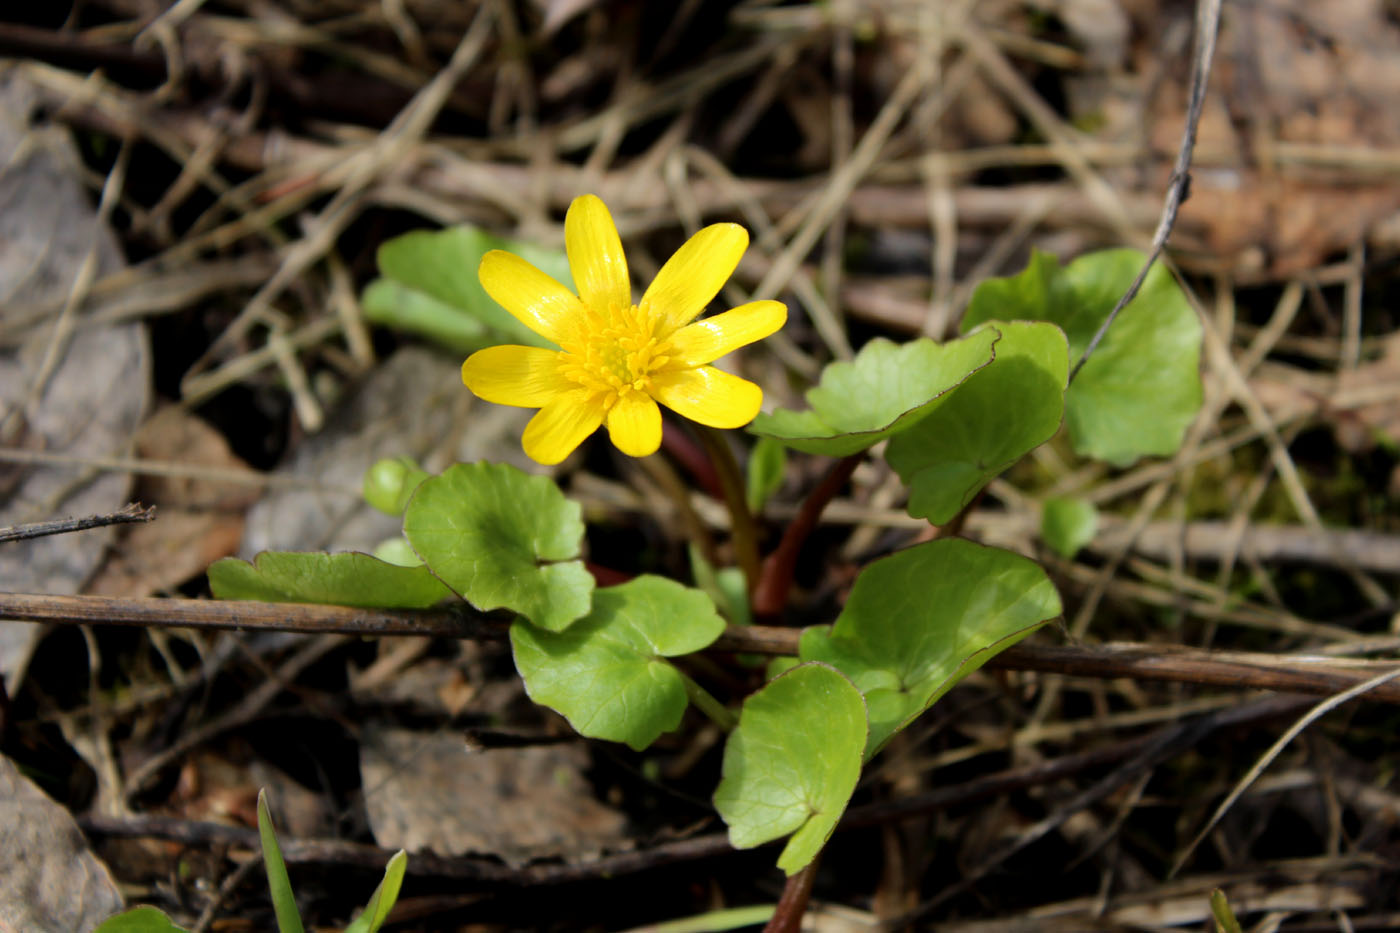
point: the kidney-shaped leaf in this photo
(1139, 391)
(347, 578)
(430, 286)
(886, 389)
(1002, 411)
(503, 539)
(792, 763)
(924, 618)
(606, 673)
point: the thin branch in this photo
(1178, 187)
(1294, 673)
(129, 514)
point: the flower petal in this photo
(707, 340)
(595, 255)
(709, 396)
(527, 377)
(534, 298)
(694, 274)
(634, 424)
(560, 426)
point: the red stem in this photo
(787, 917)
(774, 583)
(685, 451)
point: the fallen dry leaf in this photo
(51, 882)
(199, 520)
(429, 791)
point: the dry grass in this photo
(886, 157)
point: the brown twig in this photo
(1178, 188)
(1309, 674)
(129, 514)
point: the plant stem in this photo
(665, 476)
(745, 530)
(771, 592)
(722, 715)
(793, 904)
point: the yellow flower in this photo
(617, 359)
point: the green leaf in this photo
(922, 619)
(886, 389)
(1225, 919)
(1142, 387)
(1066, 525)
(767, 463)
(394, 304)
(347, 578)
(284, 903)
(792, 763)
(384, 897)
(503, 539)
(143, 919)
(606, 672)
(430, 286)
(1002, 412)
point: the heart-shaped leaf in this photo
(886, 389)
(1001, 412)
(347, 578)
(503, 539)
(792, 763)
(606, 673)
(430, 286)
(924, 618)
(1142, 386)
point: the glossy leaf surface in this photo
(503, 539)
(886, 389)
(924, 618)
(346, 578)
(1141, 387)
(1001, 412)
(792, 763)
(607, 672)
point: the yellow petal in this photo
(709, 396)
(534, 298)
(527, 377)
(694, 274)
(560, 426)
(595, 255)
(634, 424)
(709, 339)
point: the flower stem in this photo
(787, 918)
(771, 592)
(665, 476)
(745, 530)
(705, 703)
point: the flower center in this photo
(614, 353)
